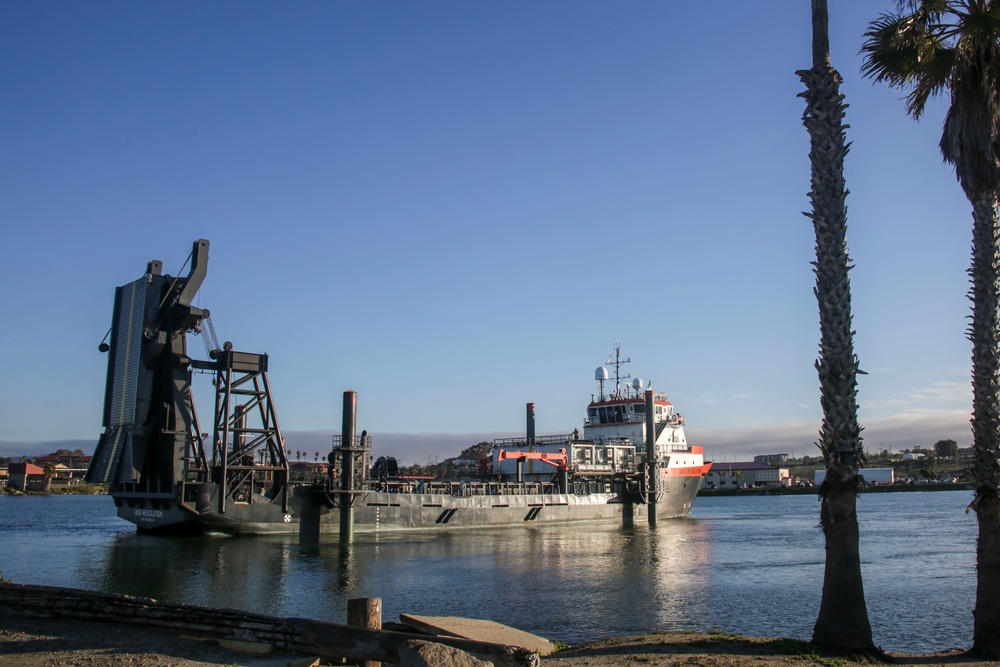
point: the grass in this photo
(722, 634)
(717, 636)
(802, 649)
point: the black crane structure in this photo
(153, 453)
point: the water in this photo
(746, 565)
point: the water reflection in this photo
(747, 565)
(560, 582)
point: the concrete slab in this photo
(479, 630)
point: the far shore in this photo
(813, 490)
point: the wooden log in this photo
(328, 640)
(384, 645)
(53, 602)
(365, 613)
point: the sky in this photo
(455, 208)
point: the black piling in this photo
(628, 513)
(652, 465)
(563, 480)
(530, 427)
(529, 438)
(349, 425)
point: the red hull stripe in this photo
(696, 471)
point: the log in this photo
(384, 645)
(328, 640)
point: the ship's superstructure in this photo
(153, 456)
(628, 432)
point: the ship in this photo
(631, 463)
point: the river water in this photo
(750, 565)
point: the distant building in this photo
(871, 475)
(745, 474)
(771, 459)
(25, 477)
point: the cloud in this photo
(901, 431)
(933, 399)
(716, 398)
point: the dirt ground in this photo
(65, 643)
(44, 643)
(722, 650)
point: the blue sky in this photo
(455, 208)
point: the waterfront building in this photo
(745, 474)
(26, 476)
(771, 459)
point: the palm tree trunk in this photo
(843, 615)
(842, 622)
(985, 336)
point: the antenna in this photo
(618, 362)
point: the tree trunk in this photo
(986, 616)
(842, 623)
(985, 338)
(843, 616)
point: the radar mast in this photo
(618, 362)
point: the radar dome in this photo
(601, 373)
(637, 384)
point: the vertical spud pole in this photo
(348, 428)
(652, 465)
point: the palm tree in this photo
(843, 616)
(48, 474)
(938, 47)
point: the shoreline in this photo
(26, 642)
(814, 490)
(44, 625)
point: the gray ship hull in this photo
(314, 511)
